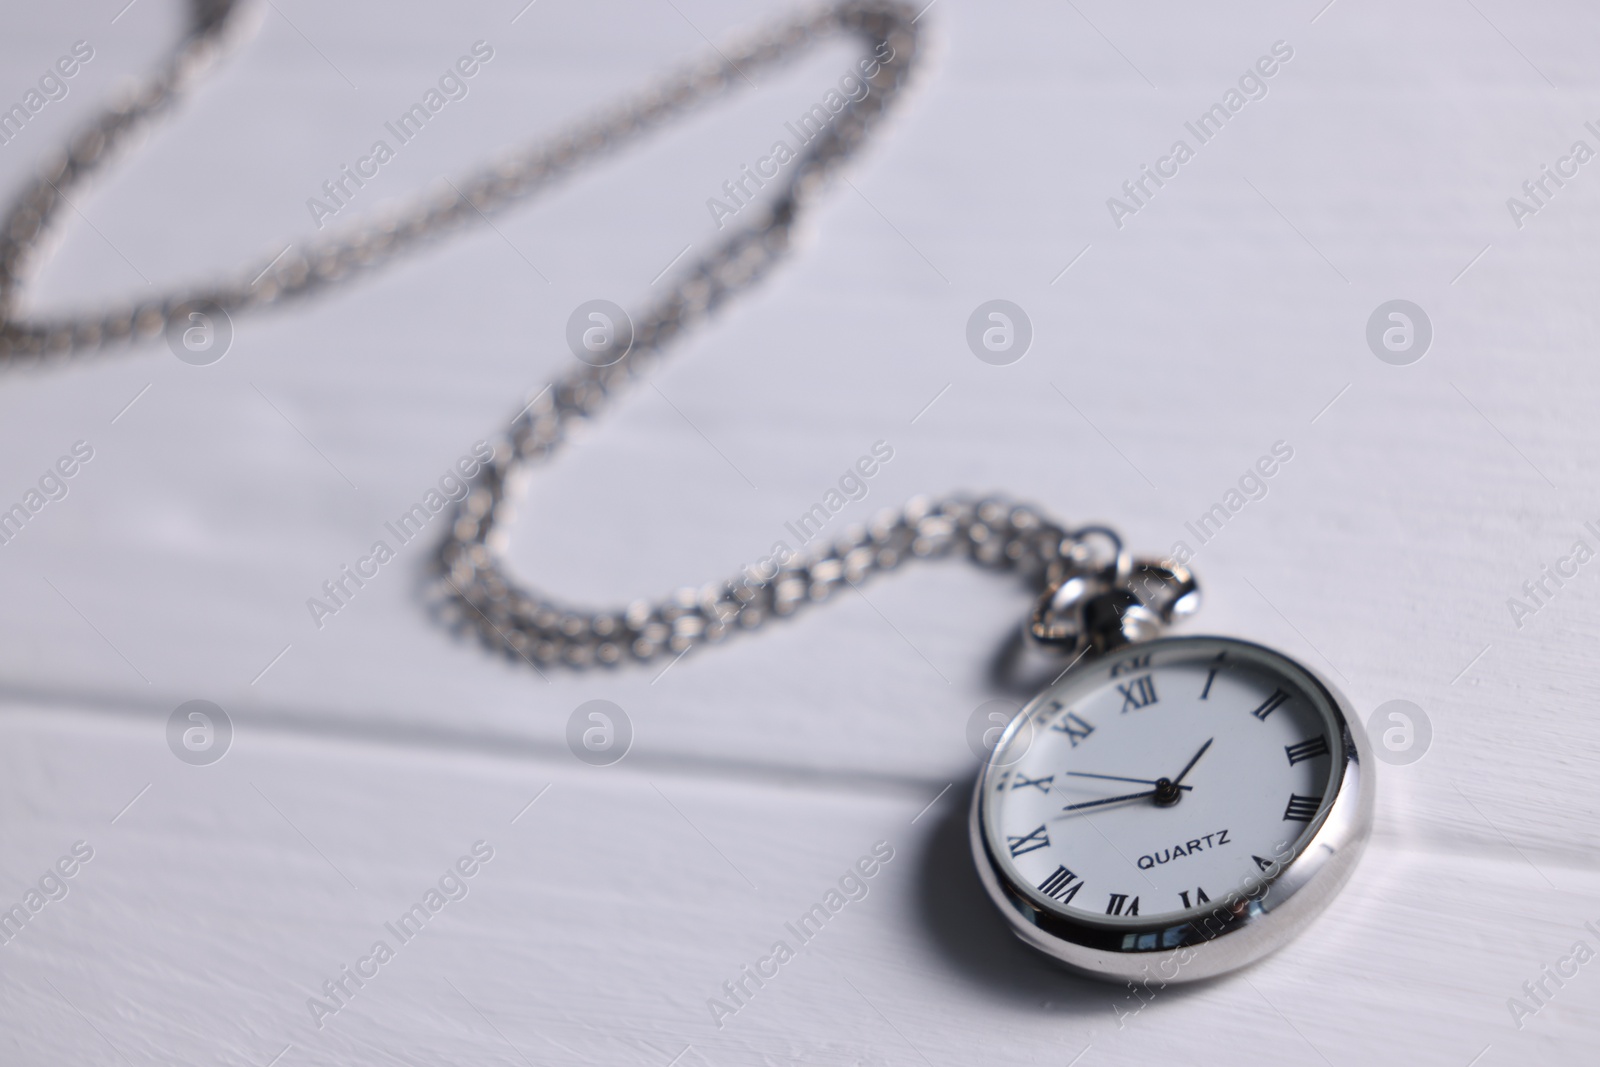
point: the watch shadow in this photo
(968, 931)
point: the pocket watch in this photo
(1169, 807)
(1196, 798)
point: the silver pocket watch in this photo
(1191, 801)
(1169, 807)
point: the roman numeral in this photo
(1020, 845)
(1041, 784)
(1118, 900)
(1301, 809)
(1199, 897)
(1270, 705)
(1131, 664)
(1061, 886)
(1317, 746)
(1139, 693)
(1263, 864)
(1211, 675)
(1074, 727)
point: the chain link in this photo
(474, 592)
(350, 250)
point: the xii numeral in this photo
(1199, 897)
(1271, 704)
(1139, 693)
(1301, 809)
(1317, 746)
(1119, 901)
(1074, 727)
(1061, 886)
(1028, 842)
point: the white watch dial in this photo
(1155, 781)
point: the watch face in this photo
(1160, 778)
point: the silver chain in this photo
(474, 591)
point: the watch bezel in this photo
(1240, 927)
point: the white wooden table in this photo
(1226, 314)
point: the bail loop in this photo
(1111, 603)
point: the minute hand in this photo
(1120, 778)
(1109, 800)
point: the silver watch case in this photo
(1241, 927)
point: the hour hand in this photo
(1190, 765)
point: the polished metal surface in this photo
(1237, 929)
(1121, 601)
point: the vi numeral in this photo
(1301, 809)
(1028, 842)
(1131, 664)
(1119, 905)
(1139, 693)
(1061, 886)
